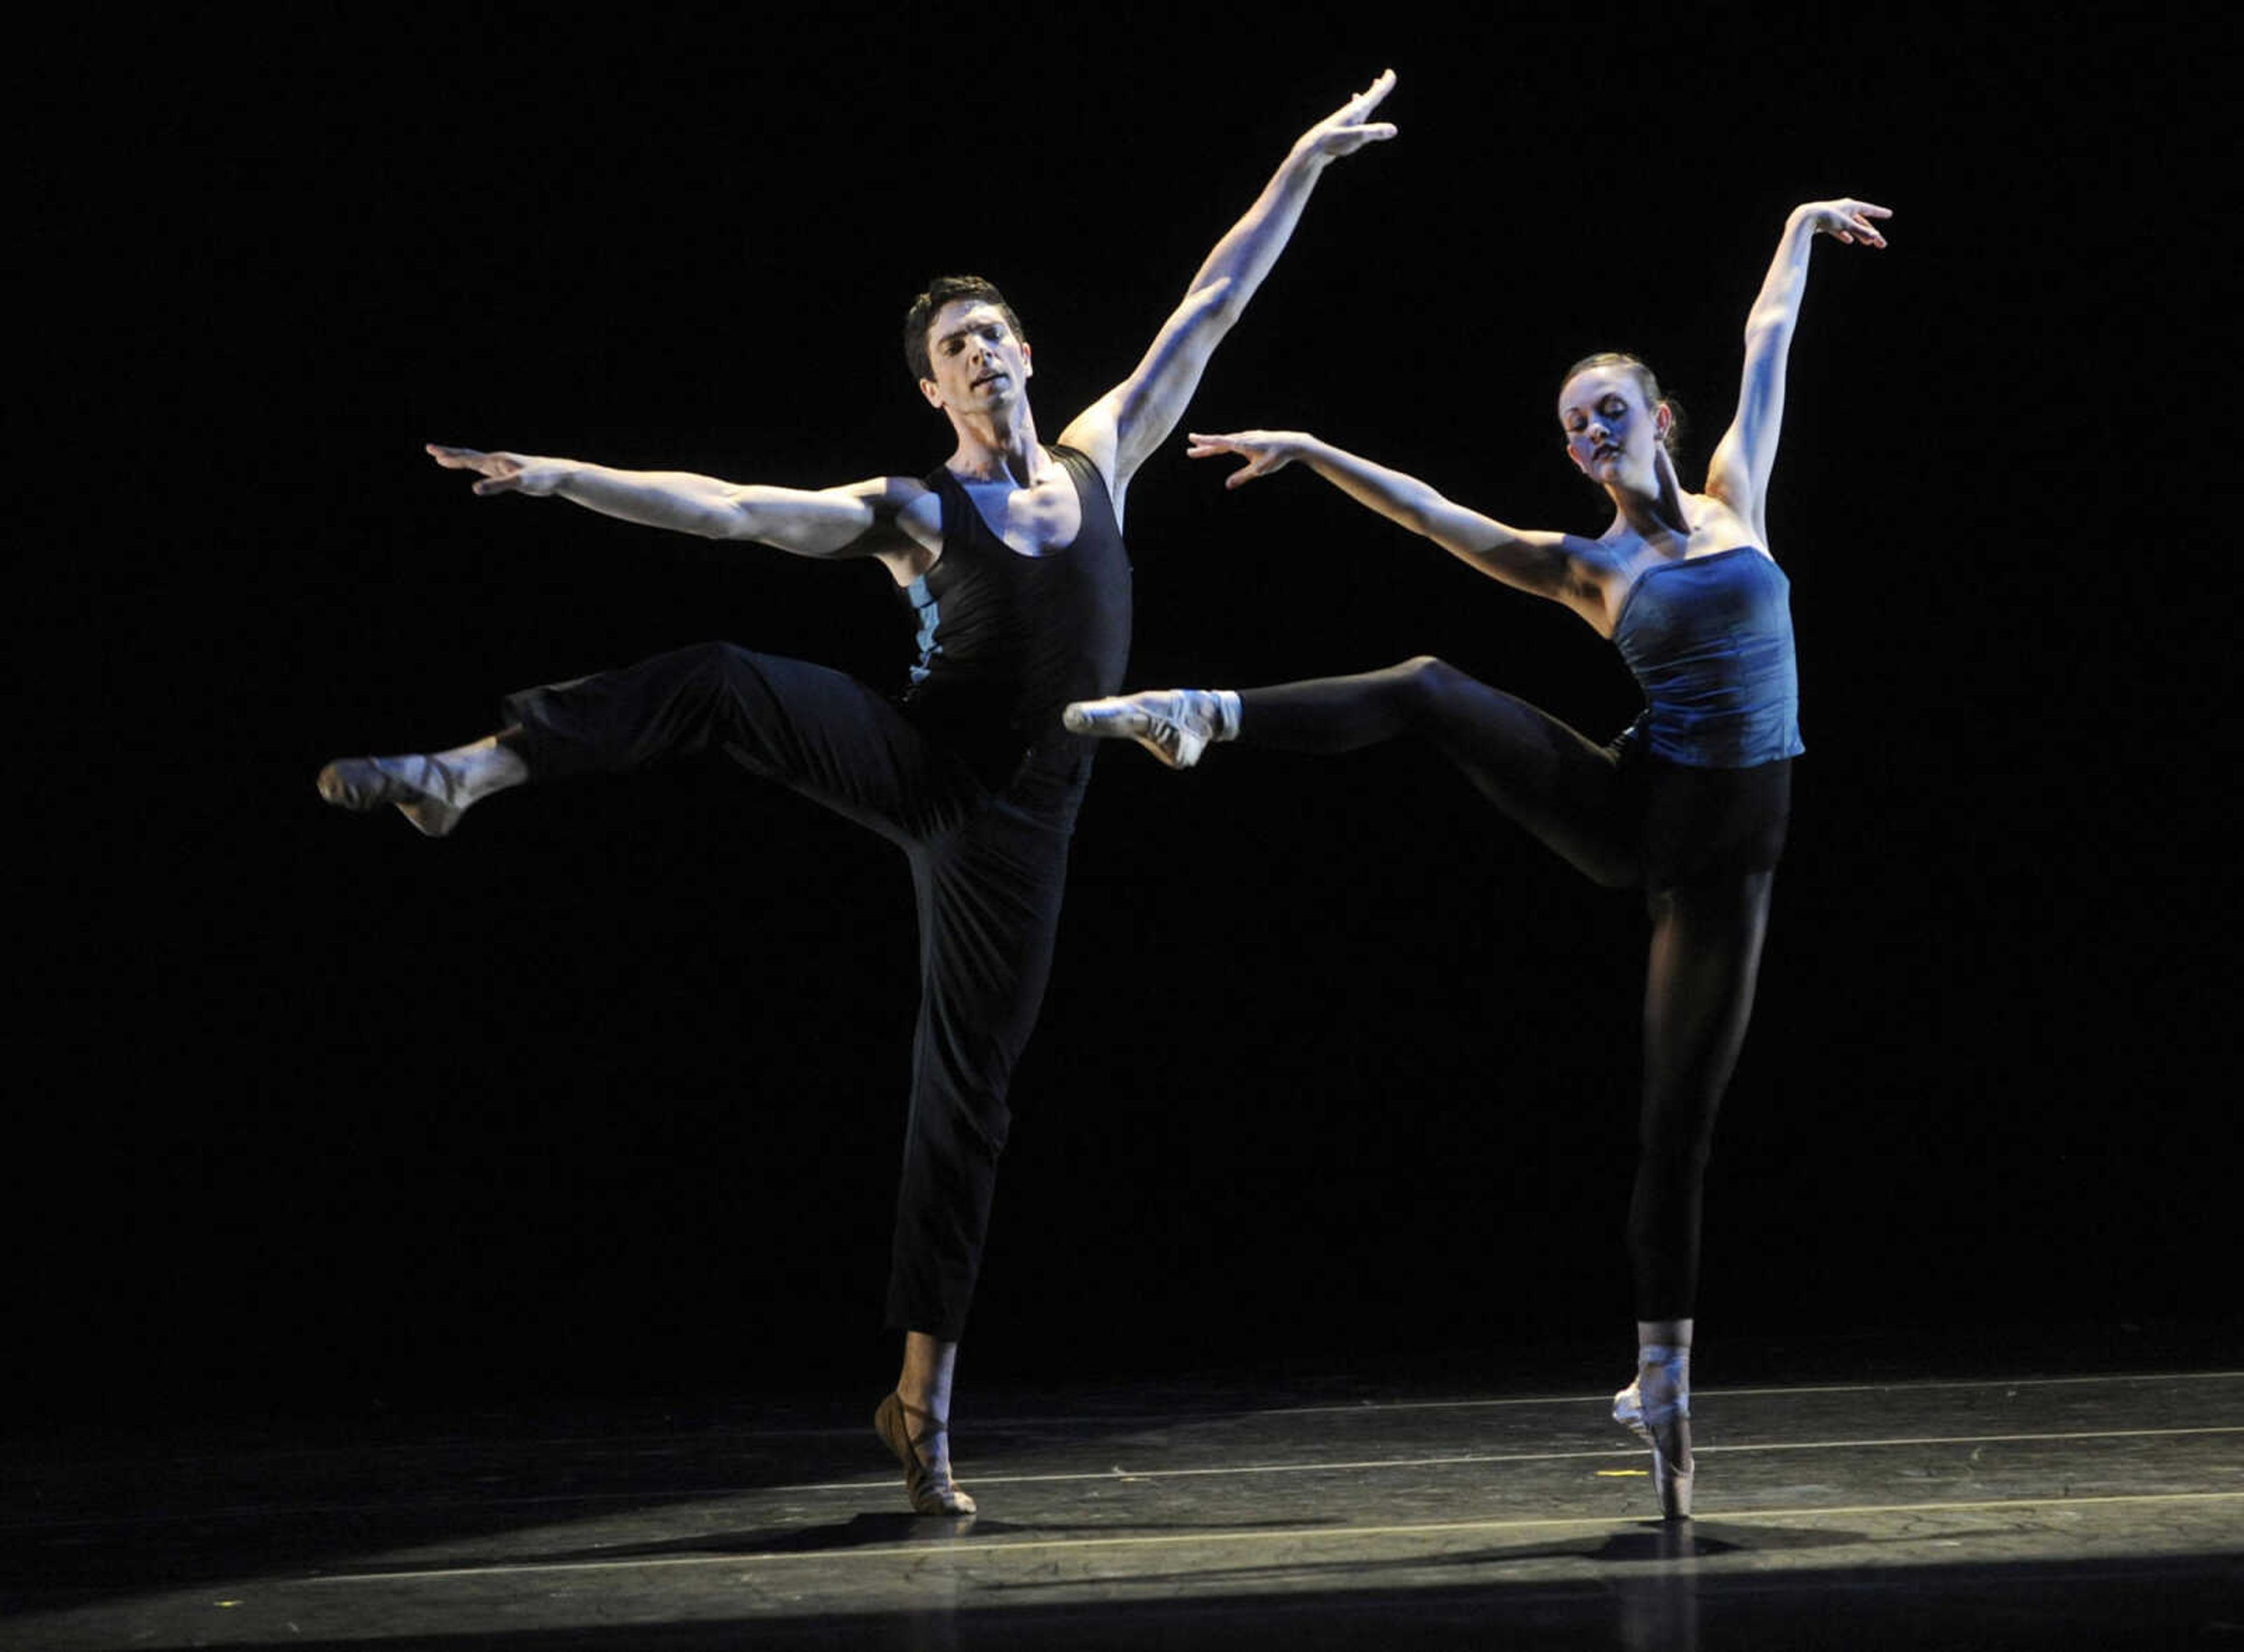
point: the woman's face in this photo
(1610, 435)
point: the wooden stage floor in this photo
(1918, 1512)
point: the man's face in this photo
(979, 364)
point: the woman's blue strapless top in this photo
(1710, 642)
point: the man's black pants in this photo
(988, 864)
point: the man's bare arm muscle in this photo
(1124, 427)
(895, 519)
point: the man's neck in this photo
(990, 450)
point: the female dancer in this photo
(1690, 803)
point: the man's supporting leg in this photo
(913, 1423)
(990, 895)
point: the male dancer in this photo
(1012, 555)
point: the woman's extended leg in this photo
(1567, 791)
(1698, 997)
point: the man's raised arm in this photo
(1124, 427)
(861, 519)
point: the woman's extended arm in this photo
(1548, 564)
(1737, 474)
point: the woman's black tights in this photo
(1578, 799)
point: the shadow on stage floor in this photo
(1932, 1510)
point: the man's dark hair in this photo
(946, 289)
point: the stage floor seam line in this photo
(1117, 1474)
(1291, 1535)
(1483, 1460)
(1746, 1394)
(997, 1421)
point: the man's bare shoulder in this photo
(904, 502)
(1095, 433)
(886, 494)
(907, 528)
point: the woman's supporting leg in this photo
(1656, 1407)
(1697, 997)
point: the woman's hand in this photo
(1344, 131)
(1848, 220)
(1265, 451)
(502, 472)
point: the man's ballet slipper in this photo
(929, 1494)
(424, 789)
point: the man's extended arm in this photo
(1124, 427)
(859, 519)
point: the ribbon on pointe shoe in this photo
(1665, 1426)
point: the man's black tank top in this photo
(1005, 640)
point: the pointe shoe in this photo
(929, 1493)
(427, 792)
(1665, 1426)
(1174, 724)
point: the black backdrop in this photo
(603, 1095)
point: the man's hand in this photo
(503, 472)
(1343, 132)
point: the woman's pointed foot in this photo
(1656, 1407)
(927, 1480)
(1174, 724)
(426, 790)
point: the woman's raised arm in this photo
(1737, 474)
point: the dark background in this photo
(602, 1096)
